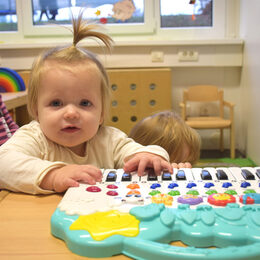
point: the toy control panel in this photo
(140, 216)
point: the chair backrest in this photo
(204, 93)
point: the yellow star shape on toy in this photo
(101, 225)
(97, 13)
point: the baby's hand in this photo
(181, 165)
(140, 161)
(60, 179)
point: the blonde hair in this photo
(168, 130)
(72, 54)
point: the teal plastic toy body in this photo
(141, 216)
(234, 230)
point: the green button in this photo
(174, 193)
(154, 192)
(249, 191)
(210, 192)
(231, 192)
(193, 192)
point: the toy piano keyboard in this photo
(140, 216)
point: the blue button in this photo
(191, 185)
(155, 185)
(173, 185)
(209, 185)
(245, 184)
(226, 184)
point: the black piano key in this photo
(247, 174)
(180, 175)
(221, 175)
(258, 173)
(111, 176)
(205, 175)
(151, 175)
(166, 176)
(126, 176)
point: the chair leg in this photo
(221, 141)
(232, 142)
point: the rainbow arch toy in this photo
(10, 81)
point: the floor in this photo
(210, 154)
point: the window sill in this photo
(129, 54)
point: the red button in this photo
(93, 189)
(112, 186)
(221, 199)
(112, 193)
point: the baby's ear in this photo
(101, 118)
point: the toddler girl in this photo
(68, 96)
(168, 130)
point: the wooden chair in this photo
(208, 94)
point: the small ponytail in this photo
(82, 30)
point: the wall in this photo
(219, 62)
(250, 78)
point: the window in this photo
(106, 12)
(8, 18)
(186, 13)
(200, 19)
(143, 19)
(120, 16)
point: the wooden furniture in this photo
(209, 94)
(16, 102)
(137, 93)
(25, 229)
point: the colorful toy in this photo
(139, 217)
(10, 81)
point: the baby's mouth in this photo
(70, 129)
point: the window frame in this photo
(51, 30)
(216, 31)
(225, 26)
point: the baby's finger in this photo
(181, 165)
(64, 185)
(86, 178)
(142, 166)
(157, 166)
(93, 171)
(187, 165)
(175, 165)
(166, 165)
(131, 165)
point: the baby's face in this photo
(70, 104)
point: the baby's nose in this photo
(71, 112)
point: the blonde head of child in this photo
(168, 130)
(68, 96)
(68, 81)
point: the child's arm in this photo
(60, 179)
(140, 161)
(7, 117)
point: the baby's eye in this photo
(56, 103)
(85, 103)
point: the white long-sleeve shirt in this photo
(28, 156)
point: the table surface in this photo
(14, 99)
(25, 229)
